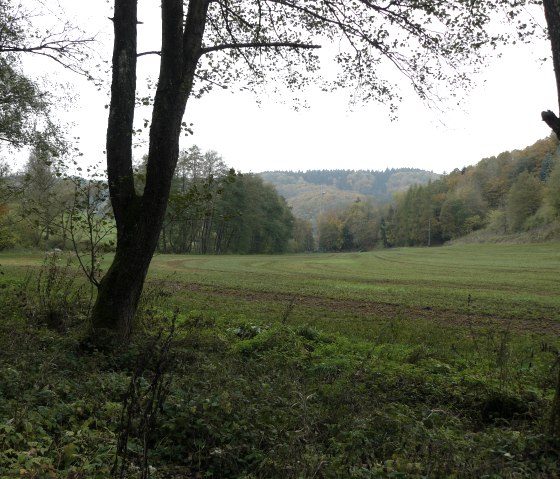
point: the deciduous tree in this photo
(198, 181)
(553, 189)
(304, 241)
(7, 192)
(523, 200)
(45, 198)
(210, 42)
(252, 218)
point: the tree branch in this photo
(66, 47)
(154, 52)
(228, 46)
(550, 118)
(121, 110)
(73, 68)
(9, 140)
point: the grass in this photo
(506, 282)
(433, 362)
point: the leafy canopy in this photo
(426, 41)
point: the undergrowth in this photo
(248, 399)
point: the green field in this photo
(433, 362)
(515, 285)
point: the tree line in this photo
(215, 210)
(212, 209)
(511, 193)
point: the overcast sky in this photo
(501, 113)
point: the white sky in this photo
(501, 113)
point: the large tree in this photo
(198, 182)
(209, 42)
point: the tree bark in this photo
(139, 218)
(552, 15)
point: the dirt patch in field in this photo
(379, 310)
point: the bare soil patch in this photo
(379, 310)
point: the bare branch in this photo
(75, 68)
(229, 46)
(154, 52)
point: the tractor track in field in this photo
(380, 310)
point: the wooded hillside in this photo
(514, 196)
(312, 192)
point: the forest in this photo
(514, 194)
(381, 185)
(313, 192)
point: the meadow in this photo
(410, 362)
(514, 286)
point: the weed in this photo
(246, 330)
(91, 225)
(554, 422)
(146, 394)
(503, 359)
(289, 309)
(52, 296)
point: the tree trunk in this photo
(120, 289)
(139, 219)
(552, 15)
